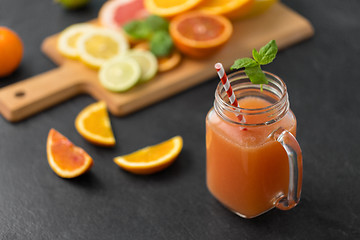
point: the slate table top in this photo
(322, 75)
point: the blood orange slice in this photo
(113, 14)
(66, 159)
(199, 34)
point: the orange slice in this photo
(167, 63)
(166, 8)
(164, 63)
(153, 158)
(66, 159)
(93, 123)
(232, 9)
(199, 34)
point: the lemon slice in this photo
(120, 74)
(67, 41)
(101, 44)
(147, 61)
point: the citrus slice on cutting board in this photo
(101, 44)
(93, 123)
(166, 8)
(259, 7)
(169, 62)
(151, 159)
(147, 62)
(120, 74)
(66, 159)
(198, 34)
(114, 14)
(67, 41)
(232, 9)
(164, 63)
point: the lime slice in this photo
(99, 45)
(147, 61)
(67, 41)
(120, 74)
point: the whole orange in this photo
(11, 51)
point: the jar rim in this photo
(237, 109)
(240, 82)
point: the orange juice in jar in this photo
(254, 163)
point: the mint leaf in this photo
(253, 66)
(161, 44)
(157, 23)
(138, 29)
(256, 55)
(267, 53)
(256, 75)
(154, 29)
(243, 63)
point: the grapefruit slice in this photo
(114, 14)
(198, 34)
(66, 159)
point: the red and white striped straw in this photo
(226, 84)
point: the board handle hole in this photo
(19, 94)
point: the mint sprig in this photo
(153, 29)
(253, 66)
(161, 43)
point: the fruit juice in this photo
(247, 170)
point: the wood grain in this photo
(37, 93)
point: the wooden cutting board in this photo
(27, 97)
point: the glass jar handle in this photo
(292, 148)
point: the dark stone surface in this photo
(322, 75)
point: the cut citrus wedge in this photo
(232, 9)
(164, 63)
(198, 34)
(169, 62)
(153, 158)
(101, 44)
(93, 123)
(66, 159)
(166, 8)
(147, 62)
(66, 43)
(114, 14)
(120, 74)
